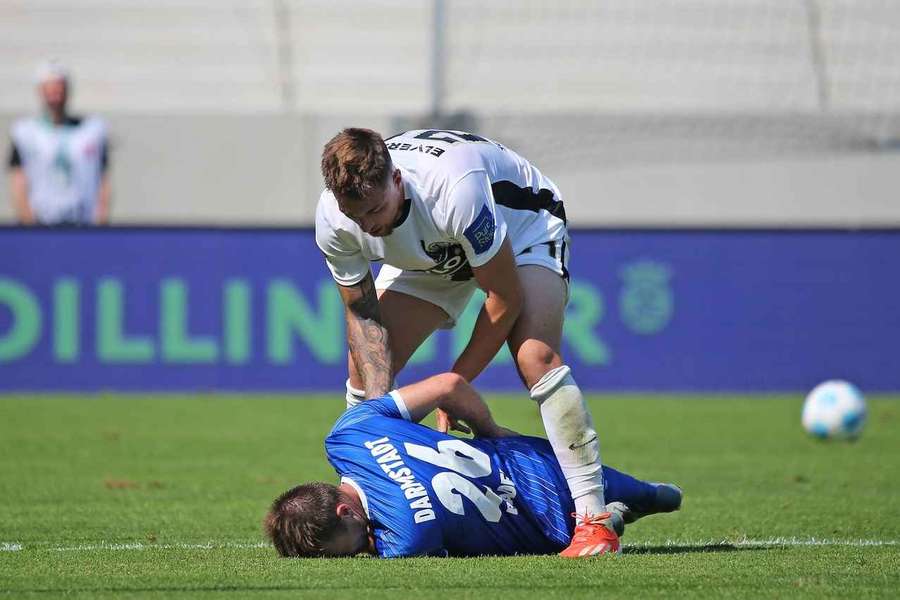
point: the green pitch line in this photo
(141, 496)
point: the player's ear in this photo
(343, 510)
(347, 511)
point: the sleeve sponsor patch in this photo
(481, 232)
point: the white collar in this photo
(359, 490)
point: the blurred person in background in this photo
(59, 162)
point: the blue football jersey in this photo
(431, 494)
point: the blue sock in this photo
(638, 495)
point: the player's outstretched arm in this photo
(451, 393)
(499, 279)
(367, 337)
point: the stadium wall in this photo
(255, 309)
(263, 170)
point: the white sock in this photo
(570, 430)
(354, 396)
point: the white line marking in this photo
(767, 543)
(720, 543)
(16, 547)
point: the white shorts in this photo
(454, 296)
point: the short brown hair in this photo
(302, 518)
(355, 162)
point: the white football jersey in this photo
(465, 195)
(63, 165)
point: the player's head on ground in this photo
(357, 168)
(318, 520)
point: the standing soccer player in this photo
(446, 212)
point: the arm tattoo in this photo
(368, 341)
(366, 306)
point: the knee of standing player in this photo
(536, 354)
(535, 359)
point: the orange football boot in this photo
(594, 534)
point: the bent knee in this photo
(535, 354)
(535, 359)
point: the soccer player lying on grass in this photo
(408, 490)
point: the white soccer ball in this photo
(834, 410)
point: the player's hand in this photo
(447, 423)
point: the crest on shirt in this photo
(481, 232)
(450, 259)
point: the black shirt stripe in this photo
(508, 194)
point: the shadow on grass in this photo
(696, 549)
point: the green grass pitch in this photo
(162, 497)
